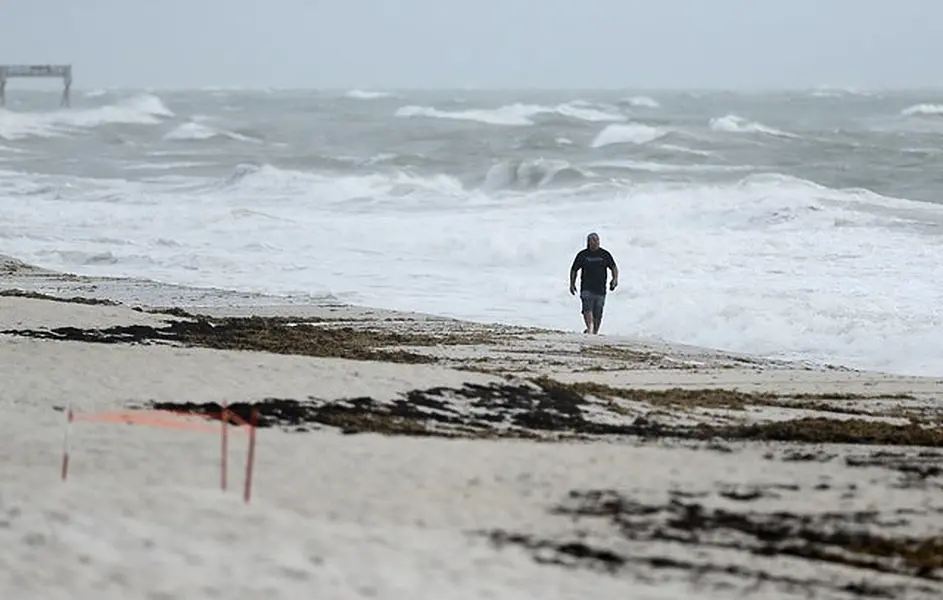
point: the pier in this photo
(63, 72)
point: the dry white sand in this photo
(372, 516)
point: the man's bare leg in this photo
(588, 320)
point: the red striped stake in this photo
(67, 442)
(224, 457)
(251, 458)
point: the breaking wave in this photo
(514, 114)
(194, 131)
(934, 110)
(524, 174)
(735, 124)
(143, 109)
(628, 133)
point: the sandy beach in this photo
(403, 455)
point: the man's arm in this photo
(573, 270)
(615, 273)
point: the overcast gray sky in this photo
(481, 43)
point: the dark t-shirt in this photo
(594, 264)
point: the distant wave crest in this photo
(193, 131)
(627, 133)
(641, 102)
(736, 124)
(143, 109)
(368, 94)
(264, 180)
(934, 110)
(515, 114)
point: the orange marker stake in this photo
(224, 419)
(251, 458)
(66, 444)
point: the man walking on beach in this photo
(593, 261)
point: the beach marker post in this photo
(224, 457)
(67, 442)
(250, 459)
(134, 417)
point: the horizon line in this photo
(496, 88)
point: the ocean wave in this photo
(660, 167)
(513, 114)
(530, 174)
(368, 95)
(686, 150)
(166, 166)
(12, 150)
(584, 110)
(640, 102)
(195, 131)
(143, 109)
(736, 124)
(262, 181)
(932, 110)
(826, 91)
(628, 133)
(80, 258)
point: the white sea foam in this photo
(686, 150)
(167, 166)
(627, 133)
(518, 114)
(196, 131)
(368, 94)
(11, 150)
(513, 114)
(143, 109)
(923, 110)
(660, 167)
(586, 111)
(828, 91)
(736, 124)
(770, 264)
(527, 174)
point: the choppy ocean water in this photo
(803, 224)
